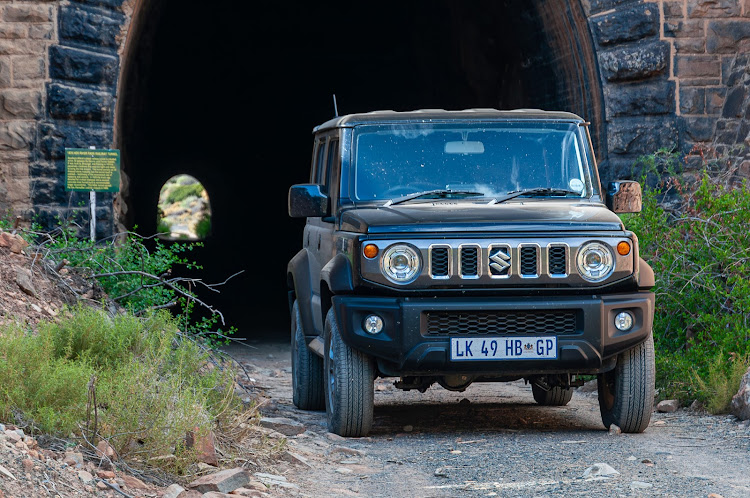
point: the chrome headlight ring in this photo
(401, 263)
(595, 261)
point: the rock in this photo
(173, 491)
(590, 386)
(105, 474)
(614, 430)
(274, 480)
(28, 464)
(133, 482)
(223, 482)
(408, 428)
(85, 476)
(215, 494)
(715, 495)
(15, 243)
(205, 446)
(668, 406)
(285, 426)
(740, 406)
(104, 449)
(254, 493)
(335, 437)
(640, 485)
(599, 470)
(343, 470)
(294, 458)
(346, 451)
(441, 472)
(23, 279)
(73, 459)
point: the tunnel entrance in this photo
(229, 94)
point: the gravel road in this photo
(493, 440)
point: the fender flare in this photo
(299, 283)
(646, 279)
(337, 274)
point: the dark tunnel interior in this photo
(230, 93)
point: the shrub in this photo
(182, 192)
(699, 249)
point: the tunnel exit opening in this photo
(230, 95)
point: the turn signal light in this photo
(623, 248)
(370, 251)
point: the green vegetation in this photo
(181, 192)
(694, 233)
(136, 382)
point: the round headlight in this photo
(401, 263)
(595, 261)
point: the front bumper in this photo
(410, 343)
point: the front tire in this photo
(626, 393)
(349, 376)
(307, 369)
(555, 396)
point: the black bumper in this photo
(411, 345)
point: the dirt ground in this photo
(493, 440)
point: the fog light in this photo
(373, 324)
(624, 321)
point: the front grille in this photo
(557, 261)
(552, 322)
(528, 261)
(469, 261)
(439, 262)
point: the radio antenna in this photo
(335, 107)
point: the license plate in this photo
(503, 348)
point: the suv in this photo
(466, 246)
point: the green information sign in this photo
(92, 170)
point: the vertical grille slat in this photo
(529, 261)
(469, 262)
(557, 261)
(439, 262)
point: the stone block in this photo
(81, 65)
(223, 482)
(684, 29)
(81, 25)
(728, 37)
(20, 104)
(685, 82)
(69, 102)
(46, 191)
(43, 31)
(636, 136)
(674, 10)
(713, 8)
(735, 103)
(631, 99)
(692, 100)
(635, 62)
(726, 131)
(110, 4)
(623, 25)
(15, 135)
(715, 99)
(733, 69)
(18, 12)
(55, 137)
(690, 45)
(28, 67)
(5, 80)
(697, 66)
(21, 47)
(698, 129)
(596, 6)
(13, 30)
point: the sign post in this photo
(92, 170)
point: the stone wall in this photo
(670, 73)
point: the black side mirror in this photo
(624, 196)
(307, 200)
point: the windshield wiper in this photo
(440, 193)
(534, 191)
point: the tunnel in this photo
(229, 93)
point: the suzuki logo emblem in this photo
(499, 261)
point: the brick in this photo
(698, 129)
(634, 62)
(5, 80)
(728, 37)
(111, 4)
(713, 8)
(82, 65)
(54, 138)
(42, 31)
(16, 135)
(13, 30)
(685, 82)
(692, 100)
(223, 482)
(21, 104)
(631, 99)
(674, 10)
(28, 68)
(625, 25)
(641, 135)
(92, 28)
(690, 45)
(70, 102)
(684, 29)
(697, 66)
(27, 13)
(715, 100)
(21, 47)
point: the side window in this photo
(333, 153)
(319, 168)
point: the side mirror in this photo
(307, 200)
(624, 196)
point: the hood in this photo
(527, 215)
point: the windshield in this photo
(492, 159)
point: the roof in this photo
(426, 115)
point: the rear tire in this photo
(307, 369)
(626, 393)
(349, 377)
(556, 396)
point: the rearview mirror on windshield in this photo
(464, 147)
